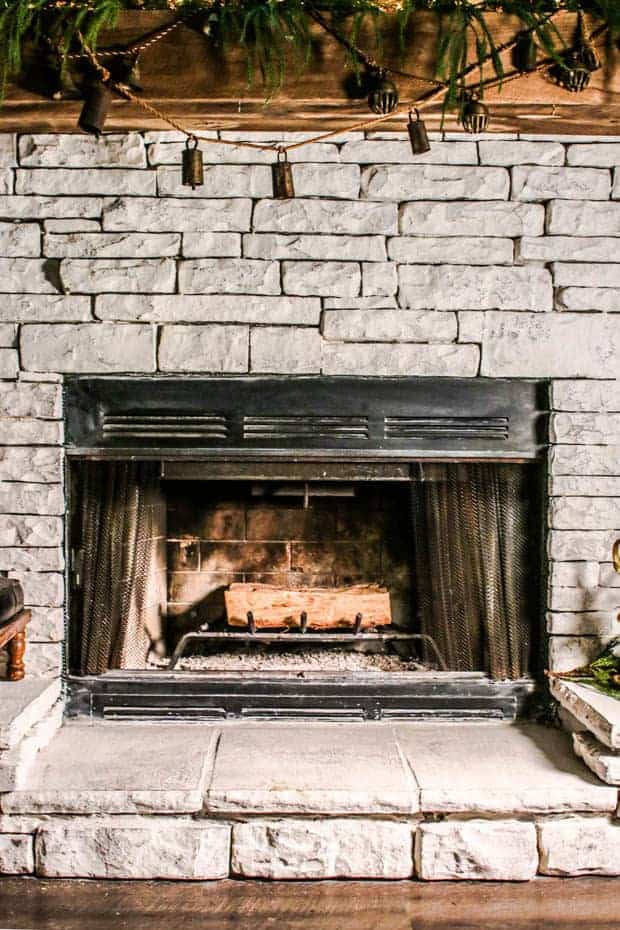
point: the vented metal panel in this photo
(305, 418)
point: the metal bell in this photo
(193, 172)
(572, 74)
(283, 187)
(525, 55)
(418, 136)
(95, 109)
(383, 98)
(474, 116)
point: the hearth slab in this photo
(22, 704)
(498, 768)
(329, 769)
(119, 768)
(598, 712)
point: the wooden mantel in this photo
(184, 77)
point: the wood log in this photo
(327, 608)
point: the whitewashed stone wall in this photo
(492, 256)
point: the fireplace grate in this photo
(446, 428)
(305, 427)
(179, 426)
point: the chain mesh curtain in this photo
(473, 541)
(117, 540)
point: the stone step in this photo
(603, 761)
(599, 713)
(22, 705)
(16, 763)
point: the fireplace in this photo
(304, 546)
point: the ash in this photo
(310, 660)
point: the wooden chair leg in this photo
(17, 648)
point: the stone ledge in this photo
(22, 705)
(579, 846)
(476, 849)
(598, 712)
(602, 761)
(16, 763)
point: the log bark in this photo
(326, 608)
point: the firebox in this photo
(322, 547)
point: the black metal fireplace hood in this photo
(305, 418)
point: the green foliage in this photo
(270, 29)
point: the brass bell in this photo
(474, 115)
(418, 136)
(525, 56)
(283, 187)
(95, 108)
(572, 74)
(383, 98)
(193, 171)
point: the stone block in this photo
(434, 182)
(563, 183)
(325, 279)
(17, 530)
(125, 275)
(567, 653)
(589, 218)
(591, 396)
(588, 599)
(212, 245)
(29, 275)
(598, 712)
(585, 513)
(574, 574)
(325, 216)
(565, 545)
(209, 308)
(219, 181)
(476, 849)
(579, 846)
(320, 849)
(584, 460)
(526, 345)
(133, 848)
(169, 151)
(521, 153)
(585, 274)
(44, 308)
(490, 218)
(209, 348)
(20, 239)
(44, 660)
(585, 429)
(111, 245)
(448, 287)
(407, 359)
(38, 208)
(27, 464)
(391, 151)
(228, 276)
(30, 400)
(561, 622)
(316, 248)
(23, 704)
(85, 347)
(604, 762)
(27, 432)
(23, 497)
(32, 559)
(359, 303)
(604, 299)
(326, 180)
(71, 150)
(8, 149)
(568, 249)
(106, 181)
(451, 250)
(71, 226)
(608, 576)
(594, 154)
(45, 589)
(470, 326)
(16, 763)
(149, 214)
(16, 854)
(386, 325)
(285, 350)
(9, 363)
(47, 625)
(379, 279)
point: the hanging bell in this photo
(193, 172)
(383, 97)
(474, 115)
(525, 57)
(418, 136)
(586, 52)
(283, 187)
(572, 74)
(98, 97)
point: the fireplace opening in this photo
(304, 546)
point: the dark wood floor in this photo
(574, 904)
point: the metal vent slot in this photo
(446, 427)
(151, 426)
(303, 427)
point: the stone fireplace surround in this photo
(492, 256)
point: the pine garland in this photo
(269, 29)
